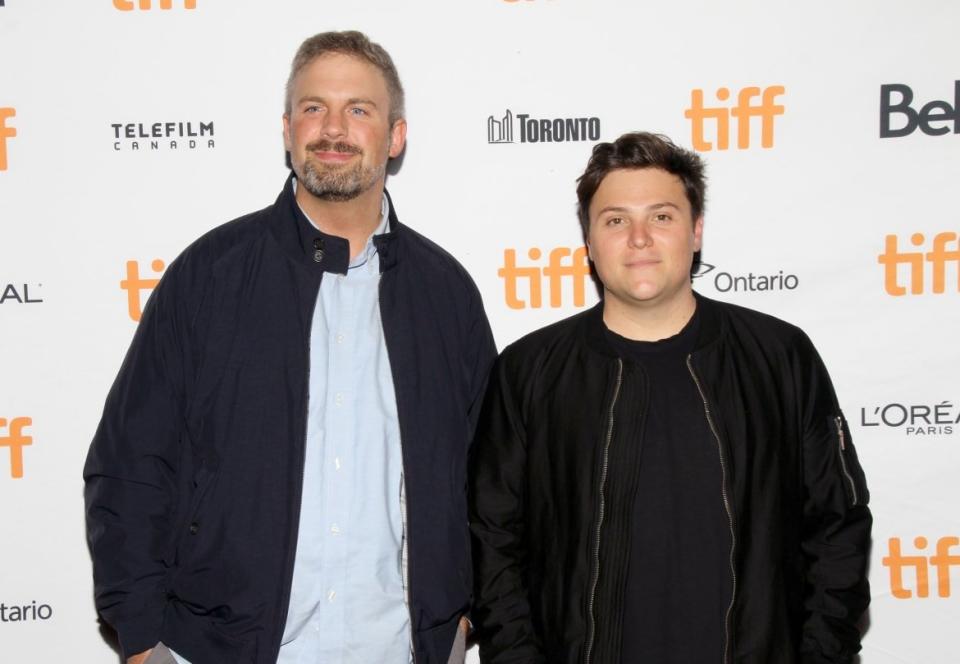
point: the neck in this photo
(354, 220)
(648, 322)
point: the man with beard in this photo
(279, 473)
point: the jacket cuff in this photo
(814, 658)
(141, 632)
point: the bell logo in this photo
(892, 258)
(942, 561)
(933, 118)
(743, 112)
(129, 5)
(5, 133)
(16, 441)
(578, 269)
(135, 286)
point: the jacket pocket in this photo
(854, 483)
(190, 525)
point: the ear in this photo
(698, 234)
(586, 240)
(286, 131)
(398, 137)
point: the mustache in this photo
(331, 146)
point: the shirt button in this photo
(339, 399)
(336, 462)
(331, 595)
(335, 529)
(339, 338)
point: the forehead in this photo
(639, 188)
(340, 73)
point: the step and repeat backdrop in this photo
(130, 127)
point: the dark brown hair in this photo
(642, 150)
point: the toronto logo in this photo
(500, 129)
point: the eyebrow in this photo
(351, 101)
(660, 206)
(625, 210)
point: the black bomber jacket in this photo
(553, 475)
(194, 477)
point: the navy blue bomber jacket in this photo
(194, 477)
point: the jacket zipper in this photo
(843, 460)
(405, 569)
(596, 548)
(726, 505)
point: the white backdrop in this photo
(807, 203)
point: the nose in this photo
(639, 237)
(333, 125)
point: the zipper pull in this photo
(839, 422)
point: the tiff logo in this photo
(577, 269)
(892, 258)
(135, 286)
(5, 131)
(129, 5)
(767, 110)
(942, 561)
(500, 131)
(16, 441)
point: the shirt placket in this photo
(338, 459)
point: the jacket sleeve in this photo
(130, 475)
(836, 520)
(497, 486)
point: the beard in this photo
(337, 183)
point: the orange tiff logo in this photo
(16, 441)
(5, 133)
(129, 5)
(743, 112)
(577, 269)
(135, 286)
(938, 258)
(942, 561)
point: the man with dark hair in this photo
(664, 478)
(280, 471)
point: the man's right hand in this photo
(139, 658)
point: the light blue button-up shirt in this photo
(347, 601)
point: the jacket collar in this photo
(711, 324)
(320, 251)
